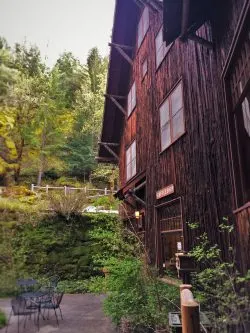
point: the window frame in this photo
(171, 116)
(129, 163)
(130, 106)
(141, 26)
(163, 45)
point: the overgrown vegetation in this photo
(43, 243)
(219, 287)
(137, 296)
(3, 319)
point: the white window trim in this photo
(131, 97)
(141, 26)
(165, 49)
(129, 163)
(171, 116)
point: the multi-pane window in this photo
(131, 99)
(161, 48)
(131, 160)
(144, 67)
(143, 26)
(172, 117)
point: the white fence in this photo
(90, 192)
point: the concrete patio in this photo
(81, 314)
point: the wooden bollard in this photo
(190, 314)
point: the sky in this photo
(56, 26)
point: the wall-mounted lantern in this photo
(137, 214)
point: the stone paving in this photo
(81, 314)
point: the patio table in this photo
(26, 285)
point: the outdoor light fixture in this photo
(137, 214)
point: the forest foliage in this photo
(50, 118)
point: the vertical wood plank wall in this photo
(198, 163)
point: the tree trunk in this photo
(42, 158)
(19, 161)
(7, 179)
(40, 175)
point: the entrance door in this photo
(171, 232)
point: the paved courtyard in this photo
(81, 314)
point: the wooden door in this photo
(171, 231)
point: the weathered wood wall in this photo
(198, 164)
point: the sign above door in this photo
(165, 191)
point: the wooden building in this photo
(177, 121)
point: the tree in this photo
(81, 148)
(53, 116)
(70, 78)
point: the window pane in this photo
(165, 136)
(145, 21)
(128, 171)
(128, 156)
(133, 167)
(129, 103)
(143, 25)
(133, 150)
(176, 99)
(133, 97)
(128, 162)
(246, 115)
(158, 40)
(178, 124)
(139, 34)
(164, 112)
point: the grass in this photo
(17, 205)
(3, 319)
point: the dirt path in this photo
(81, 314)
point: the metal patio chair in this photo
(19, 308)
(26, 285)
(52, 304)
(54, 281)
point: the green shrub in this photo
(107, 202)
(68, 206)
(58, 246)
(97, 284)
(73, 287)
(51, 174)
(17, 192)
(3, 319)
(218, 286)
(7, 282)
(136, 294)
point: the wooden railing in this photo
(89, 192)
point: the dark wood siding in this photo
(198, 164)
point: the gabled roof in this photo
(126, 18)
(124, 32)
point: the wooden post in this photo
(32, 187)
(47, 189)
(190, 313)
(65, 191)
(105, 191)
(85, 189)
